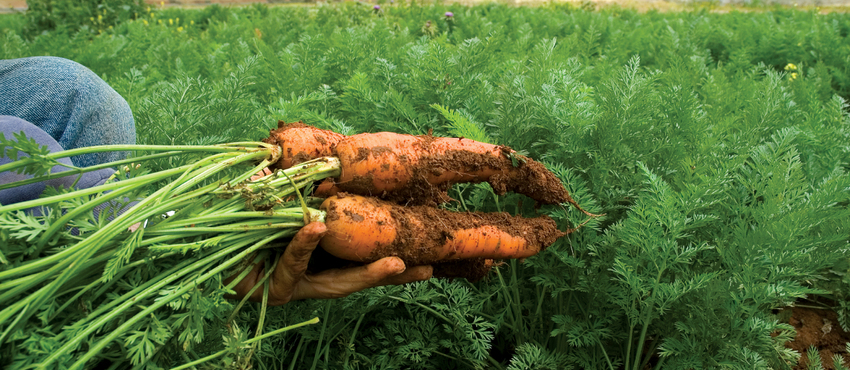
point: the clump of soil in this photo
(818, 328)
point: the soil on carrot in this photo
(818, 328)
(421, 231)
(525, 176)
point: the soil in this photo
(818, 328)
(425, 235)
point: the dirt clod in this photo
(818, 328)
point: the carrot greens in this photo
(96, 267)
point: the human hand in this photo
(290, 281)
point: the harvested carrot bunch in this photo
(417, 171)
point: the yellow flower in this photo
(177, 20)
(99, 17)
(793, 76)
(151, 15)
(91, 19)
(145, 21)
(148, 9)
(162, 3)
(170, 21)
(179, 29)
(159, 21)
(192, 22)
(110, 27)
(790, 67)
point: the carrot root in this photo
(300, 143)
(367, 229)
(419, 169)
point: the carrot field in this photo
(717, 146)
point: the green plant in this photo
(70, 16)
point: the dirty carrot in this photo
(367, 229)
(300, 143)
(417, 169)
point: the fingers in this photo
(261, 174)
(339, 283)
(293, 263)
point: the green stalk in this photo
(290, 213)
(102, 284)
(149, 178)
(128, 148)
(152, 286)
(79, 171)
(249, 341)
(97, 348)
(87, 248)
(63, 256)
(62, 222)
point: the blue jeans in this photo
(63, 105)
(69, 102)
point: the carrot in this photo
(300, 143)
(407, 168)
(367, 229)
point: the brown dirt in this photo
(818, 328)
(422, 235)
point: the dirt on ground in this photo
(818, 328)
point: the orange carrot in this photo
(300, 143)
(367, 229)
(419, 169)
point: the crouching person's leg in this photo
(11, 126)
(69, 102)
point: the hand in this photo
(290, 282)
(264, 172)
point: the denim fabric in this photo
(69, 102)
(12, 125)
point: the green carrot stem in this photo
(124, 148)
(102, 283)
(149, 178)
(136, 295)
(230, 228)
(62, 222)
(98, 347)
(202, 170)
(288, 213)
(314, 320)
(215, 168)
(78, 171)
(150, 287)
(250, 267)
(249, 341)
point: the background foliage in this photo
(718, 145)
